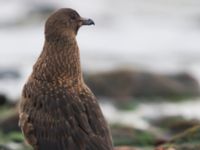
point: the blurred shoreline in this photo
(141, 60)
(158, 37)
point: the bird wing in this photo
(61, 119)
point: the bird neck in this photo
(59, 61)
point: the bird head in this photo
(65, 21)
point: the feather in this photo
(57, 110)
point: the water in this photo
(150, 111)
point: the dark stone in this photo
(188, 140)
(10, 124)
(9, 74)
(3, 99)
(174, 125)
(121, 84)
(2, 147)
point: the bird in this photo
(57, 110)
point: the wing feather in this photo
(61, 119)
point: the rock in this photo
(9, 74)
(189, 136)
(188, 140)
(189, 84)
(10, 124)
(2, 147)
(121, 84)
(3, 99)
(174, 125)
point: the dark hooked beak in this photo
(87, 21)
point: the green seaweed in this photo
(132, 137)
(11, 137)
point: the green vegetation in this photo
(129, 136)
(11, 137)
(6, 111)
(191, 136)
(129, 105)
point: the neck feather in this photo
(59, 61)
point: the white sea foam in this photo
(145, 111)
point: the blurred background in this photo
(141, 60)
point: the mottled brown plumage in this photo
(57, 110)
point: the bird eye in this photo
(73, 16)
